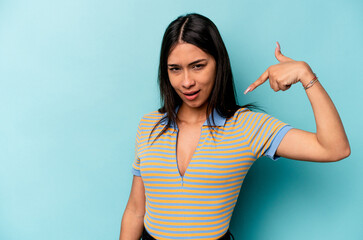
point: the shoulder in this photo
(153, 116)
(150, 119)
(240, 114)
(245, 116)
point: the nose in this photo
(188, 80)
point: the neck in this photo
(192, 115)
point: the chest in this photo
(187, 141)
(193, 158)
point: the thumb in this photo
(279, 56)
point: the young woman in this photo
(193, 153)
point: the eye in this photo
(174, 69)
(198, 66)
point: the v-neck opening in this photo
(191, 159)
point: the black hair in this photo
(200, 31)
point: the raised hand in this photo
(284, 74)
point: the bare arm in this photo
(133, 219)
(330, 142)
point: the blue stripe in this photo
(205, 204)
(245, 133)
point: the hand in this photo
(284, 74)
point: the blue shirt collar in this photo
(218, 119)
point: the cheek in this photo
(172, 81)
(210, 79)
(210, 75)
(174, 85)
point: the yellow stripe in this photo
(158, 159)
(190, 196)
(155, 154)
(150, 182)
(188, 218)
(238, 148)
(190, 212)
(192, 191)
(161, 175)
(241, 126)
(225, 161)
(218, 171)
(185, 233)
(162, 185)
(159, 164)
(221, 166)
(214, 181)
(186, 224)
(206, 186)
(162, 180)
(192, 207)
(211, 176)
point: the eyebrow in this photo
(192, 63)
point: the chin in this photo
(194, 105)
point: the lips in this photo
(191, 95)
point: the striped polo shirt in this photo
(199, 205)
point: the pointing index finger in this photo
(258, 82)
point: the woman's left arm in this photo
(329, 143)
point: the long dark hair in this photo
(202, 32)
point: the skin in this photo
(328, 144)
(190, 69)
(133, 219)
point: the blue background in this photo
(76, 76)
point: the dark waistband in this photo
(146, 236)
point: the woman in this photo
(193, 153)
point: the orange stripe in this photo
(190, 212)
(193, 191)
(188, 218)
(187, 223)
(192, 207)
(190, 196)
(185, 232)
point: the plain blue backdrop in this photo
(76, 76)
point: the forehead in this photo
(186, 52)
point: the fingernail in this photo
(247, 90)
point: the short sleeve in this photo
(136, 163)
(270, 152)
(264, 133)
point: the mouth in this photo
(191, 95)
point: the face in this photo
(191, 72)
